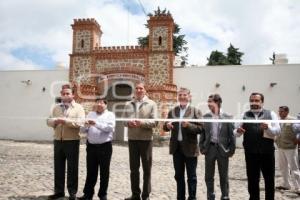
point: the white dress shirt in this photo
(273, 127)
(104, 128)
(181, 114)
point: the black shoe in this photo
(72, 197)
(56, 196)
(145, 198)
(281, 188)
(103, 198)
(85, 198)
(133, 198)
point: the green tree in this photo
(179, 43)
(217, 58)
(234, 57)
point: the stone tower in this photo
(161, 55)
(161, 58)
(86, 37)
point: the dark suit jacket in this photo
(189, 134)
(226, 141)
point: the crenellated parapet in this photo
(161, 17)
(161, 20)
(86, 22)
(119, 49)
(120, 52)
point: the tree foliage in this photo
(217, 58)
(179, 43)
(233, 57)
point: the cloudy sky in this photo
(36, 34)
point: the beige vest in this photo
(287, 137)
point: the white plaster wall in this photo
(202, 80)
(24, 108)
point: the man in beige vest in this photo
(287, 153)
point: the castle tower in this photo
(159, 77)
(86, 37)
(161, 55)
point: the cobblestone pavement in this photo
(26, 172)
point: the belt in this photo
(213, 143)
(99, 145)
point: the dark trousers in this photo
(211, 157)
(97, 156)
(256, 163)
(181, 162)
(66, 152)
(140, 150)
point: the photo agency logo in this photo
(119, 88)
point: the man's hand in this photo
(170, 125)
(138, 123)
(131, 124)
(59, 121)
(91, 122)
(184, 124)
(134, 124)
(264, 126)
(240, 130)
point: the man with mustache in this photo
(66, 119)
(259, 148)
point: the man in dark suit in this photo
(217, 144)
(183, 143)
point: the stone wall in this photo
(160, 32)
(85, 36)
(120, 65)
(82, 69)
(158, 70)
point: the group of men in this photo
(189, 137)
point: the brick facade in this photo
(95, 70)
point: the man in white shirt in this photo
(100, 126)
(259, 147)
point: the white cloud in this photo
(13, 63)
(257, 27)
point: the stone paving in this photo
(26, 172)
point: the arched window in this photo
(82, 43)
(159, 40)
